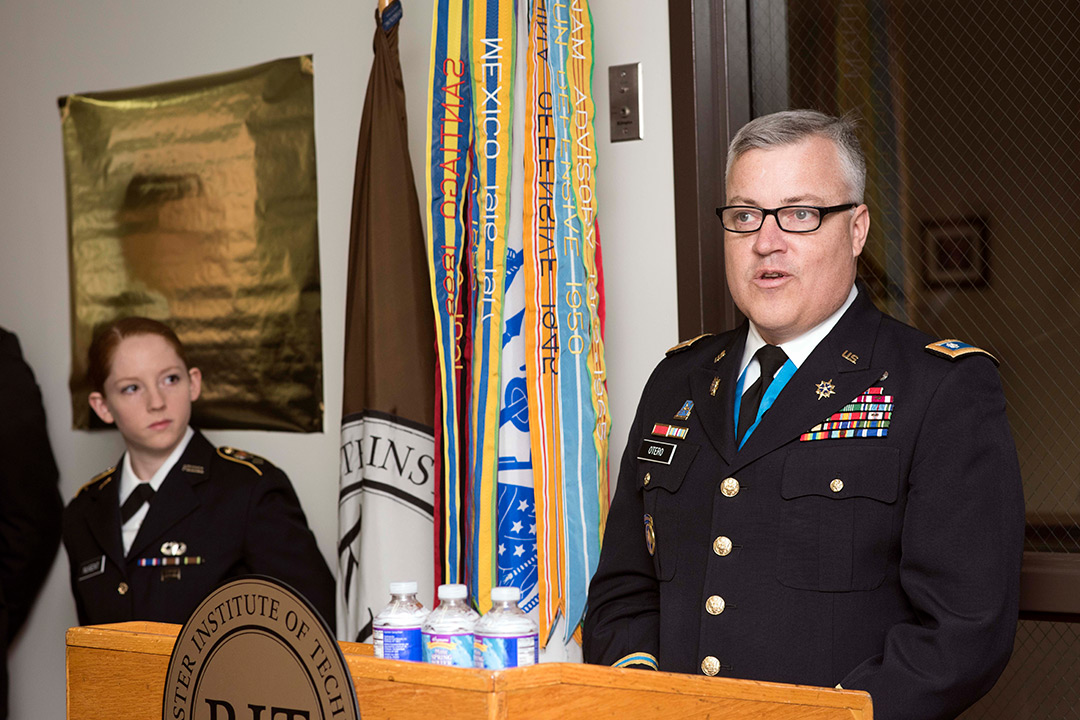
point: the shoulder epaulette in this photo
(955, 349)
(686, 343)
(105, 475)
(242, 457)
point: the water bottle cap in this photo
(403, 588)
(453, 592)
(505, 594)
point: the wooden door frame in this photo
(710, 99)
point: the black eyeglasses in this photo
(790, 218)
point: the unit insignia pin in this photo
(684, 411)
(720, 357)
(884, 376)
(825, 389)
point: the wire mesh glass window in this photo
(970, 111)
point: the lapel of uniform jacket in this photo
(841, 365)
(716, 412)
(103, 516)
(176, 499)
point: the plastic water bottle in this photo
(448, 630)
(396, 630)
(505, 637)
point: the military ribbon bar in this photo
(669, 431)
(868, 415)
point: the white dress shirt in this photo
(797, 349)
(128, 481)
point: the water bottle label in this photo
(496, 653)
(399, 644)
(444, 649)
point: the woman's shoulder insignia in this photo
(242, 457)
(98, 481)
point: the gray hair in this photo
(791, 126)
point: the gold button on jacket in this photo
(722, 546)
(729, 487)
(710, 666)
(715, 605)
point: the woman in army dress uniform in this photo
(177, 517)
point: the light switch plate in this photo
(624, 88)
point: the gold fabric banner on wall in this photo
(194, 202)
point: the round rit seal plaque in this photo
(255, 650)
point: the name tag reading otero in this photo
(656, 451)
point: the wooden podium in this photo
(117, 672)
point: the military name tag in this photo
(656, 451)
(92, 568)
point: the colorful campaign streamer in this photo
(493, 27)
(541, 316)
(560, 400)
(448, 170)
(584, 159)
(578, 417)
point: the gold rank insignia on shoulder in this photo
(686, 343)
(239, 456)
(956, 349)
(105, 475)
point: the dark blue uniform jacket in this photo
(236, 513)
(887, 564)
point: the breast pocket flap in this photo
(839, 473)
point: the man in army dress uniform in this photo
(823, 495)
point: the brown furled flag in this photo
(386, 498)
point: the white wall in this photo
(50, 48)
